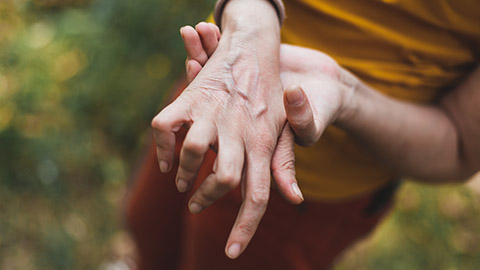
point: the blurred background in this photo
(80, 81)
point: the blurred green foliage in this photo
(79, 84)
(80, 81)
(430, 228)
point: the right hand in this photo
(234, 105)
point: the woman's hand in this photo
(234, 105)
(317, 88)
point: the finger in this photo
(164, 125)
(208, 36)
(226, 176)
(193, 68)
(193, 45)
(216, 30)
(257, 191)
(283, 167)
(300, 115)
(197, 142)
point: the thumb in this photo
(300, 115)
(283, 168)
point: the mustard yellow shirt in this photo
(408, 49)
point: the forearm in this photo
(421, 141)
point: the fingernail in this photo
(182, 185)
(163, 166)
(234, 250)
(294, 96)
(195, 208)
(297, 191)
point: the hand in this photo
(318, 91)
(200, 43)
(228, 106)
(317, 87)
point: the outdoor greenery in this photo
(80, 81)
(79, 84)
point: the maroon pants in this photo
(308, 236)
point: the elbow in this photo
(458, 175)
(468, 172)
(463, 174)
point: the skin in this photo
(434, 143)
(234, 105)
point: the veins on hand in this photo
(242, 80)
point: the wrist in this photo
(254, 16)
(352, 89)
(277, 4)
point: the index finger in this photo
(165, 124)
(257, 192)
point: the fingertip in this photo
(289, 191)
(187, 32)
(300, 116)
(201, 26)
(297, 191)
(216, 30)
(234, 250)
(195, 208)
(183, 30)
(164, 167)
(208, 36)
(294, 96)
(182, 185)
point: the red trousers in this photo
(308, 236)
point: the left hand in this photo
(317, 91)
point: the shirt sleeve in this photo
(220, 5)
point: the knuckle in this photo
(259, 197)
(287, 165)
(331, 68)
(205, 198)
(265, 145)
(246, 228)
(194, 146)
(160, 123)
(227, 179)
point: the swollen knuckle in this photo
(259, 198)
(227, 179)
(160, 123)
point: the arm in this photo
(434, 143)
(234, 104)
